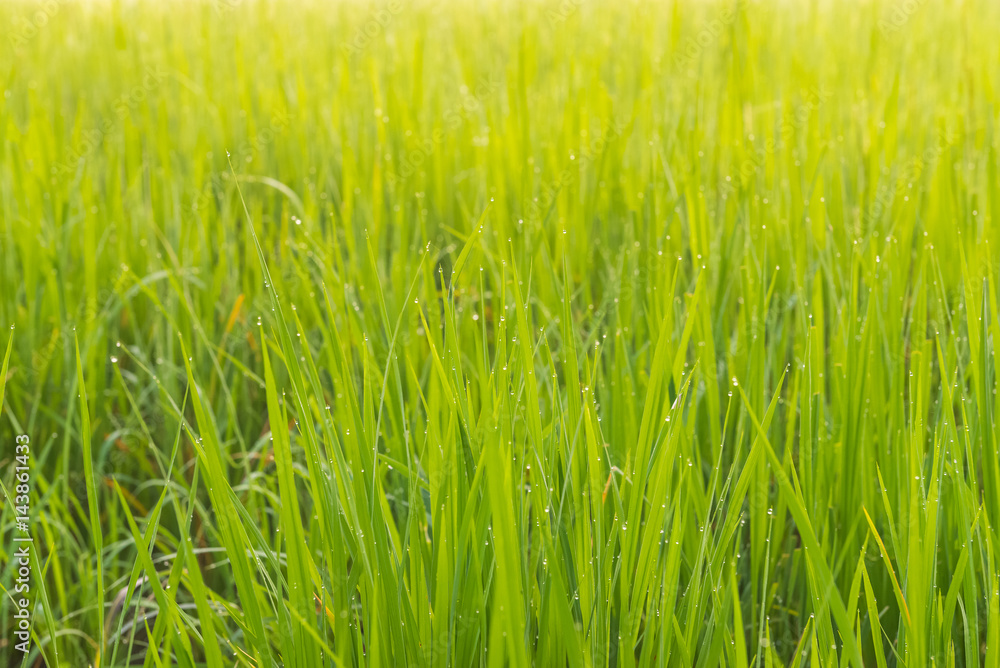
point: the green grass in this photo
(502, 334)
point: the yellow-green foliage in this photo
(452, 333)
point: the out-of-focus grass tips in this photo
(507, 333)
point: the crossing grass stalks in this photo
(505, 333)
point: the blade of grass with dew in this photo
(219, 488)
(97, 532)
(825, 583)
(305, 651)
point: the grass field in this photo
(509, 333)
